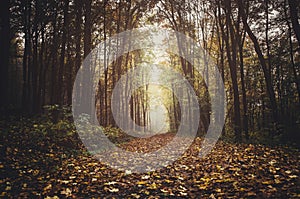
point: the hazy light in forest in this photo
(158, 119)
(155, 74)
(159, 122)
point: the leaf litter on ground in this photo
(45, 167)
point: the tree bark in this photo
(270, 89)
(59, 94)
(245, 108)
(231, 56)
(4, 52)
(26, 58)
(297, 81)
(293, 4)
(86, 82)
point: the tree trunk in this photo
(293, 4)
(221, 42)
(4, 51)
(54, 60)
(245, 108)
(270, 89)
(86, 82)
(41, 87)
(78, 37)
(26, 57)
(297, 81)
(60, 85)
(231, 56)
(35, 59)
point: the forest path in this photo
(39, 167)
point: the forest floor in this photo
(36, 165)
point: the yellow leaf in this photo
(92, 164)
(66, 192)
(110, 183)
(277, 181)
(40, 178)
(54, 197)
(146, 177)
(141, 182)
(49, 186)
(128, 172)
(251, 193)
(202, 187)
(113, 190)
(288, 172)
(164, 190)
(205, 179)
(267, 182)
(153, 186)
(293, 176)
(180, 178)
(65, 181)
(94, 179)
(135, 195)
(183, 193)
(146, 192)
(168, 181)
(3, 193)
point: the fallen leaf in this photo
(113, 190)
